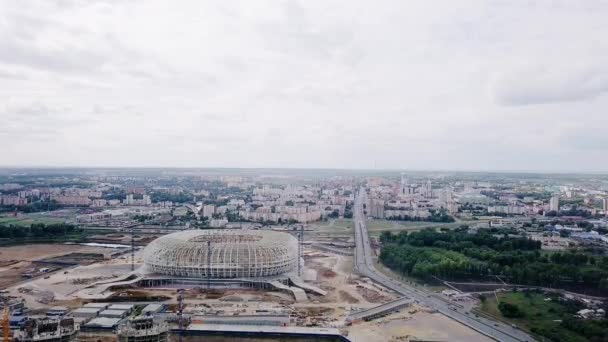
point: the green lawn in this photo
(348, 223)
(540, 315)
(381, 224)
(334, 226)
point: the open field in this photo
(418, 325)
(339, 226)
(26, 221)
(540, 313)
(43, 251)
(375, 227)
(16, 260)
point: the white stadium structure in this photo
(222, 254)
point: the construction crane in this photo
(6, 327)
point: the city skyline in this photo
(416, 86)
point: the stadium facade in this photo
(222, 254)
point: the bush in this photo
(510, 310)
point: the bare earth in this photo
(36, 252)
(420, 325)
(347, 292)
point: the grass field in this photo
(375, 227)
(335, 226)
(27, 221)
(540, 315)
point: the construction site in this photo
(109, 293)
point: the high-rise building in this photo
(428, 189)
(605, 205)
(450, 204)
(403, 184)
(208, 210)
(554, 204)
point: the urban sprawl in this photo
(336, 255)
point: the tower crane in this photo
(6, 328)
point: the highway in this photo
(365, 266)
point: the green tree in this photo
(510, 310)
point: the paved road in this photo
(365, 266)
(381, 309)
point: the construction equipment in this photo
(6, 327)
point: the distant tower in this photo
(403, 182)
(429, 189)
(605, 205)
(554, 204)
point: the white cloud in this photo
(393, 84)
(555, 83)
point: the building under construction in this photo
(222, 254)
(143, 329)
(46, 329)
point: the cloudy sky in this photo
(474, 85)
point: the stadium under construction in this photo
(260, 259)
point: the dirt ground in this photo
(348, 292)
(125, 238)
(60, 285)
(43, 251)
(15, 260)
(421, 325)
(11, 273)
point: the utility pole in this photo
(300, 249)
(132, 248)
(180, 312)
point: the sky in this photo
(413, 85)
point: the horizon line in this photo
(522, 171)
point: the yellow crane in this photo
(6, 327)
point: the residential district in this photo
(296, 255)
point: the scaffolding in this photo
(143, 329)
(219, 254)
(46, 329)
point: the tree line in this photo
(458, 255)
(36, 230)
(438, 216)
(32, 207)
